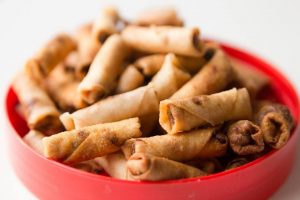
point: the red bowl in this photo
(256, 180)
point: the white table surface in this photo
(270, 28)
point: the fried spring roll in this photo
(237, 162)
(212, 78)
(34, 139)
(164, 39)
(245, 138)
(146, 167)
(91, 166)
(136, 103)
(75, 146)
(40, 112)
(150, 65)
(62, 87)
(50, 56)
(249, 78)
(169, 78)
(106, 24)
(159, 17)
(276, 123)
(202, 143)
(177, 115)
(114, 165)
(106, 67)
(130, 79)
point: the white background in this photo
(270, 28)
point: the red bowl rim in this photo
(227, 47)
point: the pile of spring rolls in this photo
(146, 99)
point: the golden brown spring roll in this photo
(210, 165)
(164, 39)
(40, 112)
(62, 87)
(177, 115)
(136, 103)
(130, 79)
(201, 143)
(114, 165)
(249, 78)
(245, 138)
(106, 67)
(106, 24)
(276, 123)
(91, 166)
(212, 78)
(34, 139)
(237, 162)
(75, 146)
(146, 167)
(50, 56)
(159, 17)
(169, 78)
(150, 65)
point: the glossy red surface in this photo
(256, 180)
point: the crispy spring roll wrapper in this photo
(150, 65)
(136, 103)
(34, 139)
(62, 87)
(212, 78)
(237, 162)
(40, 112)
(201, 143)
(114, 165)
(106, 67)
(159, 17)
(164, 39)
(249, 78)
(83, 144)
(146, 167)
(276, 123)
(177, 115)
(106, 24)
(130, 79)
(169, 78)
(50, 56)
(245, 137)
(209, 166)
(91, 166)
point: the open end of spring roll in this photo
(91, 166)
(40, 112)
(136, 103)
(146, 167)
(212, 78)
(164, 39)
(114, 165)
(249, 78)
(276, 122)
(104, 71)
(50, 56)
(177, 115)
(150, 65)
(106, 24)
(160, 17)
(237, 162)
(130, 79)
(245, 138)
(169, 78)
(202, 143)
(71, 147)
(34, 139)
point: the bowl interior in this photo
(280, 90)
